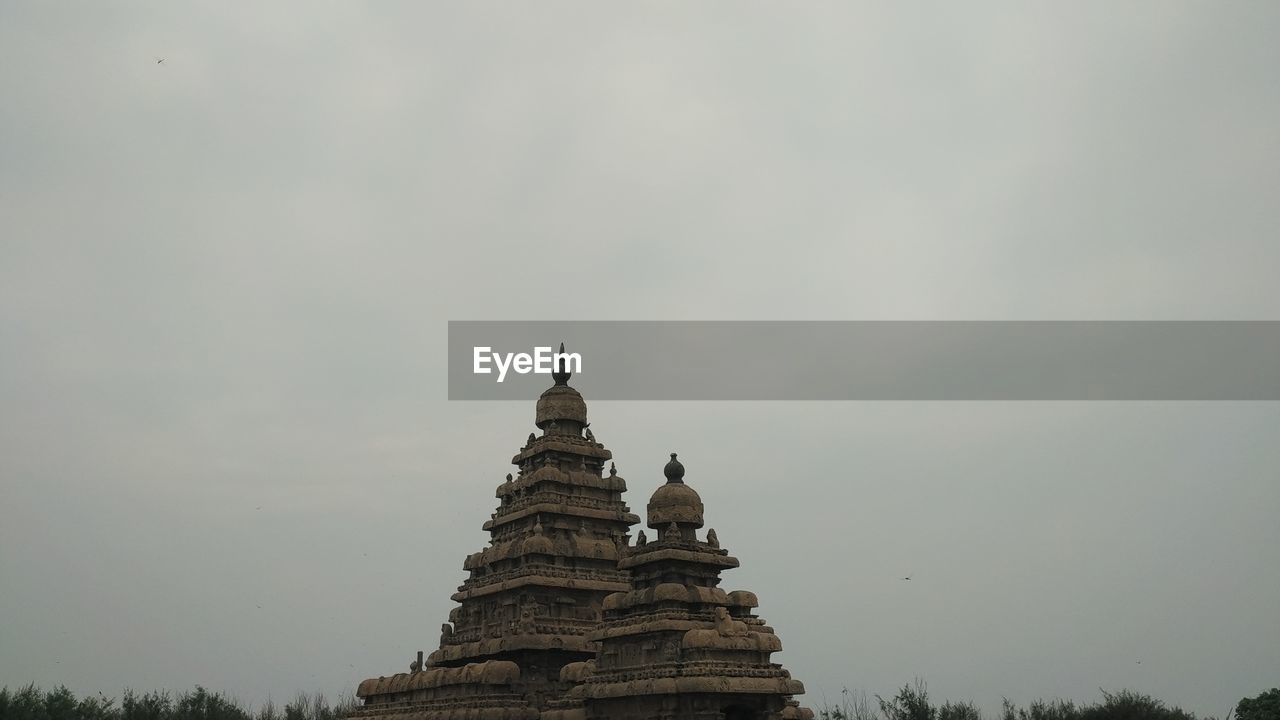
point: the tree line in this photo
(31, 703)
(912, 703)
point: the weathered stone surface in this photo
(561, 618)
(534, 594)
(685, 649)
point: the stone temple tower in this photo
(562, 618)
(675, 646)
(534, 594)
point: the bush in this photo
(1128, 705)
(60, 703)
(959, 711)
(912, 703)
(909, 704)
(1041, 710)
(201, 705)
(1264, 707)
(851, 707)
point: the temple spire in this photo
(561, 372)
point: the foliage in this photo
(29, 703)
(959, 711)
(911, 703)
(851, 707)
(201, 705)
(1264, 707)
(1128, 705)
(1041, 710)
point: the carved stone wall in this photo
(674, 645)
(535, 593)
(561, 617)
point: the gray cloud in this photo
(224, 283)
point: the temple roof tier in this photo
(712, 682)
(493, 672)
(658, 622)
(510, 643)
(666, 592)
(562, 508)
(538, 580)
(647, 556)
(571, 444)
(578, 547)
(550, 474)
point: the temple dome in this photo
(537, 543)
(675, 502)
(560, 403)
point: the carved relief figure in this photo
(672, 533)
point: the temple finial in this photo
(561, 373)
(674, 470)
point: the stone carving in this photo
(722, 666)
(727, 626)
(529, 620)
(534, 593)
(671, 651)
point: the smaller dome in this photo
(675, 502)
(546, 472)
(537, 543)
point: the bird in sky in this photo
(907, 577)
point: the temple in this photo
(562, 618)
(675, 645)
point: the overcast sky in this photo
(226, 456)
